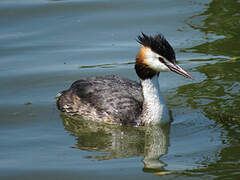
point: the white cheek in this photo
(162, 67)
(152, 61)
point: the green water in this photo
(46, 45)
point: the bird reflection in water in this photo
(114, 142)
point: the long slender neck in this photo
(154, 106)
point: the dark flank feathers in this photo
(159, 45)
(107, 99)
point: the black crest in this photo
(159, 45)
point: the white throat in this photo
(154, 106)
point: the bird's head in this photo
(156, 55)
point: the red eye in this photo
(161, 60)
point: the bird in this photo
(115, 100)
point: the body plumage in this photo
(108, 99)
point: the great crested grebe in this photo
(116, 100)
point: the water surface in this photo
(46, 45)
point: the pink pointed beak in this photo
(177, 69)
